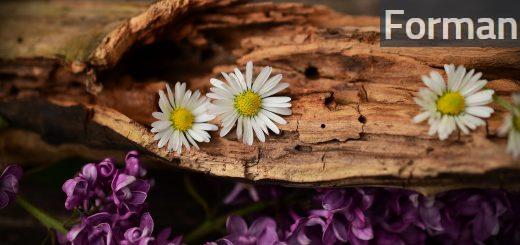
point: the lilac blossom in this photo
(9, 181)
(128, 192)
(95, 229)
(262, 231)
(133, 166)
(163, 238)
(140, 235)
(471, 216)
(106, 169)
(346, 221)
(238, 189)
(82, 188)
(398, 219)
(308, 230)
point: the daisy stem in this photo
(504, 103)
(196, 196)
(44, 218)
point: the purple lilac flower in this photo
(163, 236)
(95, 229)
(9, 181)
(345, 216)
(238, 189)
(140, 235)
(81, 189)
(471, 216)
(128, 192)
(307, 230)
(510, 223)
(396, 218)
(262, 231)
(133, 166)
(106, 169)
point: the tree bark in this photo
(352, 100)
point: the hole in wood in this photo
(323, 126)
(303, 148)
(362, 119)
(311, 72)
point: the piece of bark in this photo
(352, 100)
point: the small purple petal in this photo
(236, 225)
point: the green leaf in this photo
(44, 218)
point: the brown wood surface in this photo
(352, 100)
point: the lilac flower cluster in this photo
(113, 205)
(9, 181)
(391, 216)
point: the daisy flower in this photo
(511, 127)
(183, 119)
(459, 103)
(249, 104)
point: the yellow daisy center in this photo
(182, 119)
(451, 103)
(248, 103)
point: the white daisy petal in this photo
(192, 141)
(461, 125)
(249, 74)
(421, 117)
(161, 134)
(262, 78)
(480, 111)
(275, 90)
(204, 118)
(171, 142)
(206, 126)
(198, 137)
(160, 125)
(433, 84)
(258, 131)
(217, 83)
(274, 117)
(230, 119)
(270, 84)
(261, 124)
(507, 125)
(163, 103)
(481, 98)
(281, 111)
(185, 142)
(277, 99)
(241, 78)
(170, 95)
(233, 85)
(268, 123)
(472, 121)
(164, 139)
(159, 115)
(179, 93)
(216, 96)
(248, 131)
(240, 125)
(280, 105)
(471, 88)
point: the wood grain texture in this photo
(352, 100)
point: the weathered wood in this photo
(352, 100)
